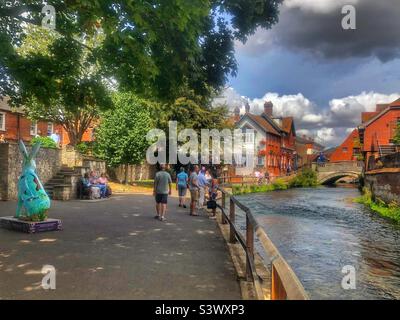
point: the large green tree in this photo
(120, 138)
(152, 47)
(74, 89)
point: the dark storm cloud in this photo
(321, 33)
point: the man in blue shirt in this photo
(181, 186)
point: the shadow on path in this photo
(116, 250)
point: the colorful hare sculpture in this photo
(33, 201)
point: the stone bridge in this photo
(329, 173)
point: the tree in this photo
(70, 91)
(150, 47)
(120, 138)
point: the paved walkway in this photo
(114, 249)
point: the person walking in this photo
(194, 190)
(213, 194)
(202, 183)
(181, 185)
(162, 188)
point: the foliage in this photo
(45, 142)
(396, 139)
(69, 91)
(391, 210)
(154, 48)
(84, 147)
(191, 112)
(278, 184)
(121, 136)
(306, 178)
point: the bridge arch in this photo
(331, 178)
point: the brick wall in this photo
(48, 163)
(345, 152)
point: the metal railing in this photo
(284, 283)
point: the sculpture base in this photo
(15, 224)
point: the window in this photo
(2, 121)
(50, 128)
(345, 149)
(33, 128)
(249, 137)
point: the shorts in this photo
(161, 198)
(194, 194)
(182, 191)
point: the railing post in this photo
(250, 247)
(232, 237)
(223, 220)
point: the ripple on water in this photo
(319, 231)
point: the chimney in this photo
(247, 108)
(268, 108)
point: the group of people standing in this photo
(200, 183)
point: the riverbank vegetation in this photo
(305, 179)
(391, 210)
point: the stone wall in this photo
(135, 172)
(390, 161)
(70, 157)
(48, 163)
(384, 184)
(93, 164)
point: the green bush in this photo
(45, 142)
(306, 178)
(84, 147)
(279, 184)
(391, 210)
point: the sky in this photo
(317, 72)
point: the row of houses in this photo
(280, 150)
(372, 139)
(14, 125)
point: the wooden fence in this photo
(284, 283)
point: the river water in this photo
(319, 231)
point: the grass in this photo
(391, 210)
(305, 179)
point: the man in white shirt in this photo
(56, 137)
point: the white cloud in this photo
(319, 6)
(347, 111)
(330, 125)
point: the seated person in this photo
(104, 181)
(85, 182)
(94, 182)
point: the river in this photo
(320, 230)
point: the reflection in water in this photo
(319, 231)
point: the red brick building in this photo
(275, 139)
(378, 130)
(349, 150)
(14, 125)
(307, 149)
